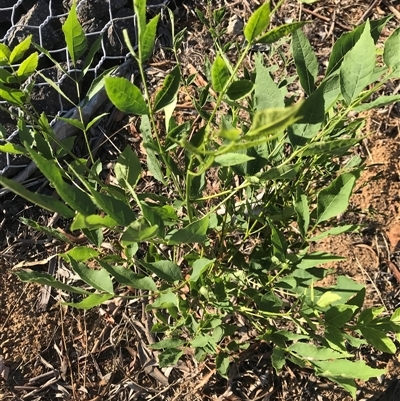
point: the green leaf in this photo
(327, 298)
(339, 315)
(348, 228)
(44, 201)
(152, 162)
(239, 89)
(12, 95)
(232, 159)
(280, 173)
(51, 232)
(193, 232)
(257, 23)
(125, 96)
(19, 51)
(74, 35)
(313, 111)
(278, 359)
(270, 121)
(378, 339)
(395, 318)
(335, 147)
(98, 279)
(92, 222)
(199, 267)
(275, 34)
(344, 369)
(169, 357)
(61, 93)
(13, 148)
(81, 253)
(30, 276)
(305, 60)
(147, 39)
(335, 338)
(126, 276)
(342, 46)
(267, 94)
(169, 90)
(379, 102)
(167, 343)
(91, 301)
(317, 258)
(334, 199)
(94, 48)
(74, 196)
(140, 12)
(138, 231)
(219, 74)
(165, 270)
(222, 363)
(279, 243)
(358, 66)
(391, 54)
(302, 210)
(127, 168)
(311, 352)
(348, 384)
(28, 66)
(165, 301)
(5, 53)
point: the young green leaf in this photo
(81, 253)
(193, 232)
(358, 66)
(318, 258)
(13, 148)
(140, 12)
(379, 102)
(169, 91)
(222, 363)
(19, 51)
(391, 53)
(74, 35)
(257, 23)
(219, 74)
(348, 228)
(125, 96)
(147, 39)
(305, 60)
(12, 95)
(5, 53)
(28, 66)
(334, 199)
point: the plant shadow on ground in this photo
(107, 349)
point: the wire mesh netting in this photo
(43, 20)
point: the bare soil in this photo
(57, 353)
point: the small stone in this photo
(235, 26)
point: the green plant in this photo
(281, 170)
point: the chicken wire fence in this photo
(43, 20)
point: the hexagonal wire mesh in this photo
(43, 19)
